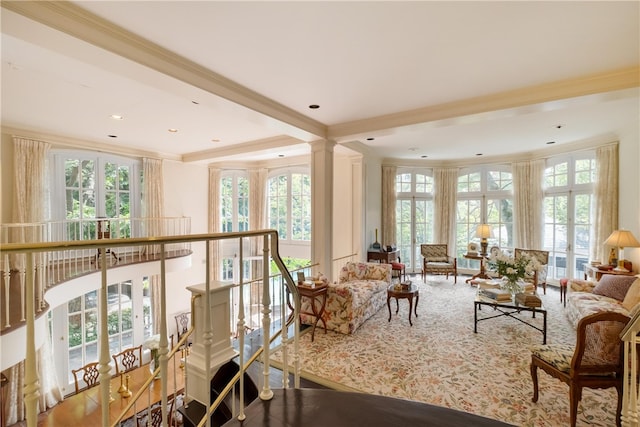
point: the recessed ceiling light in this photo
(112, 136)
(560, 126)
(215, 140)
(117, 117)
(424, 156)
(551, 142)
(478, 154)
(280, 155)
(314, 106)
(172, 130)
(370, 139)
(195, 102)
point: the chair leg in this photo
(575, 393)
(619, 408)
(534, 379)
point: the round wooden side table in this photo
(410, 294)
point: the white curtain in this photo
(257, 213)
(153, 211)
(30, 161)
(388, 205)
(605, 200)
(445, 195)
(528, 205)
(214, 221)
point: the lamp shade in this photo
(622, 239)
(483, 231)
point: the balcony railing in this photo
(32, 256)
(55, 267)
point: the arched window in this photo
(569, 186)
(484, 197)
(414, 214)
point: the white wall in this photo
(629, 189)
(372, 170)
(186, 193)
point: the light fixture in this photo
(483, 232)
(622, 239)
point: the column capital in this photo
(322, 145)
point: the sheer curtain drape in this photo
(214, 221)
(257, 213)
(153, 211)
(528, 204)
(445, 196)
(605, 199)
(388, 205)
(30, 169)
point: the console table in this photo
(593, 272)
(382, 256)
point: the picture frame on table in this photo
(494, 251)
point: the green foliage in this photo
(291, 264)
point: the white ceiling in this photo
(446, 80)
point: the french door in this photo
(414, 219)
(567, 233)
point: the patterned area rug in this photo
(440, 360)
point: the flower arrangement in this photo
(512, 269)
(153, 342)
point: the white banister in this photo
(630, 399)
(212, 343)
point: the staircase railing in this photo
(32, 252)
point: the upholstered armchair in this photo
(596, 361)
(540, 277)
(436, 260)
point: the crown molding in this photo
(83, 25)
(543, 153)
(58, 141)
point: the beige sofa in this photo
(617, 293)
(358, 295)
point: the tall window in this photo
(85, 186)
(234, 215)
(414, 214)
(484, 197)
(89, 185)
(568, 213)
(289, 211)
(82, 315)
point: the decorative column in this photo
(322, 205)
(221, 350)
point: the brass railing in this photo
(32, 255)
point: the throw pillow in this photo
(633, 296)
(613, 286)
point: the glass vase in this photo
(154, 362)
(511, 286)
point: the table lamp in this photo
(622, 239)
(483, 232)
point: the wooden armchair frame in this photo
(128, 359)
(596, 361)
(540, 277)
(436, 260)
(90, 376)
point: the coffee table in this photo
(410, 293)
(509, 309)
